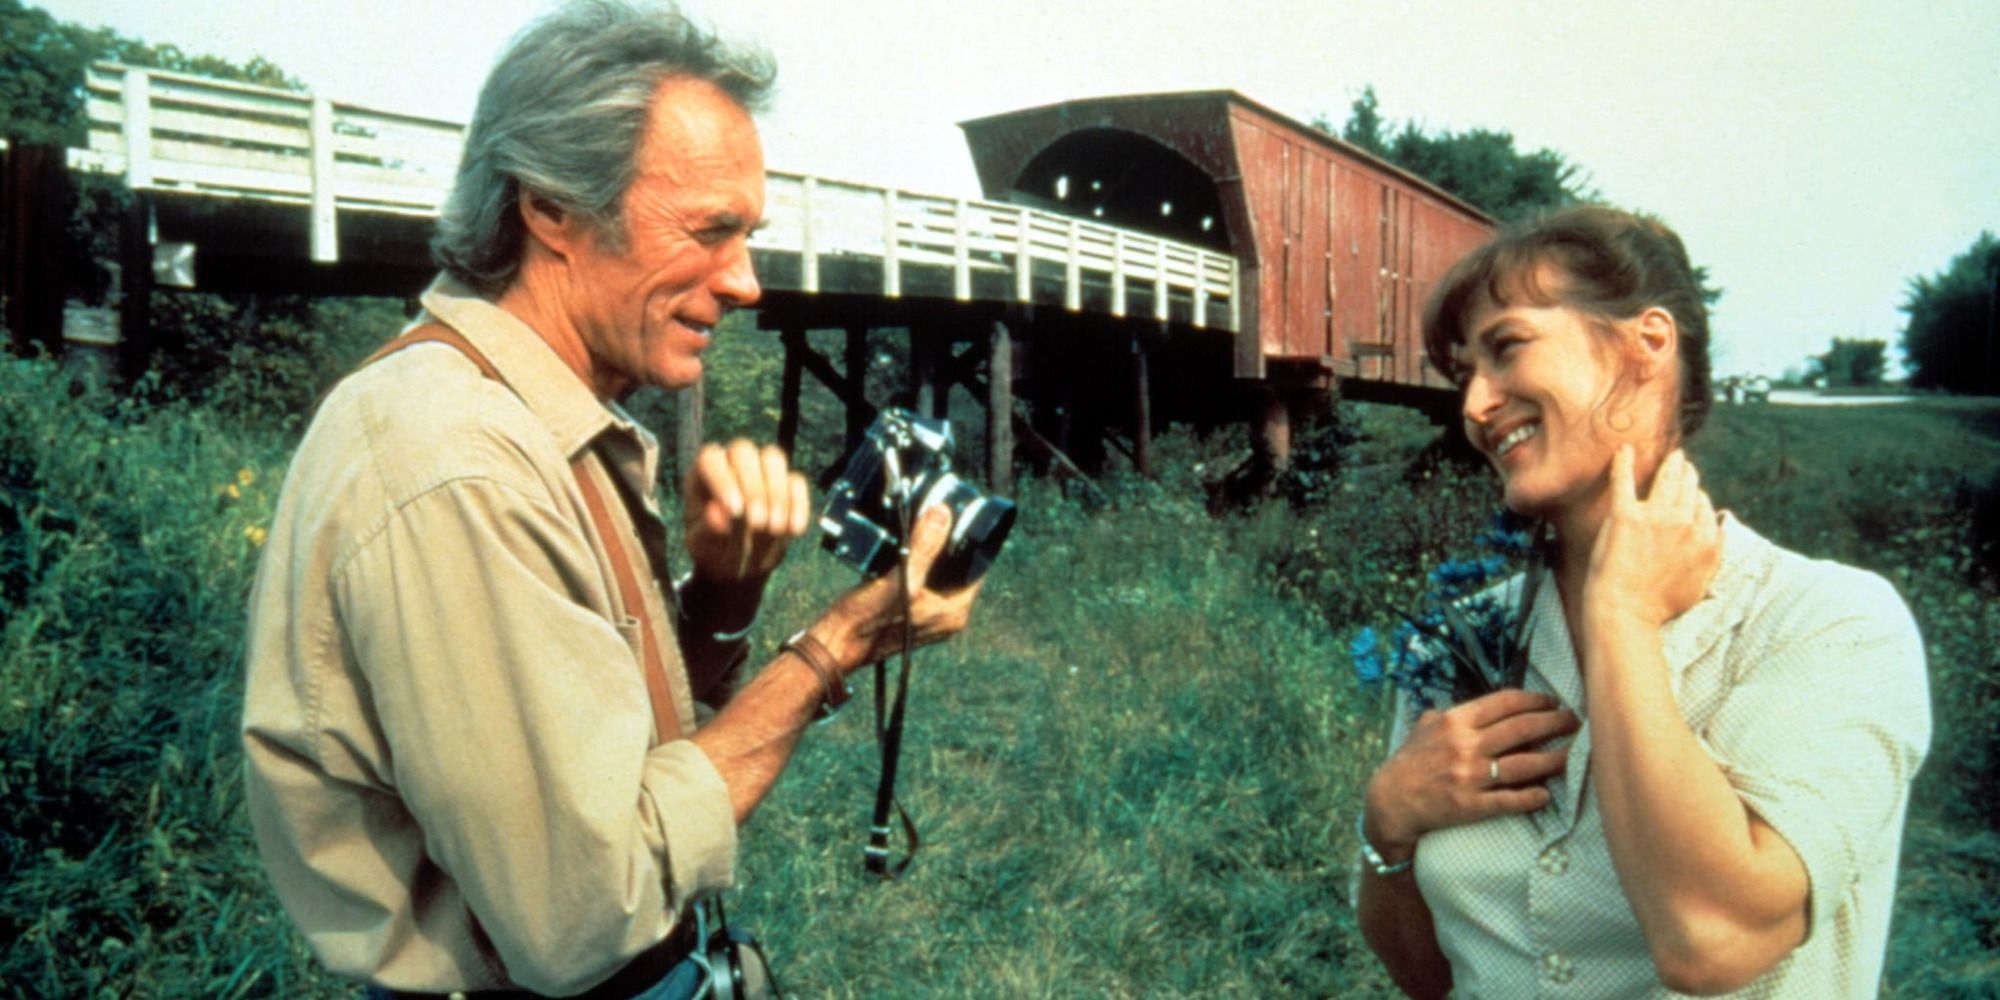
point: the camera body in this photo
(901, 467)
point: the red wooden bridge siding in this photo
(1338, 248)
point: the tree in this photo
(1364, 123)
(1856, 362)
(1481, 166)
(42, 62)
(1953, 335)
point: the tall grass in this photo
(127, 542)
(1134, 777)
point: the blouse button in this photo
(1554, 861)
(1557, 968)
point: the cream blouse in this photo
(1805, 680)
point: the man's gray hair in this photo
(562, 114)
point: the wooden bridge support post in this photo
(1000, 408)
(794, 340)
(688, 407)
(34, 207)
(854, 363)
(135, 288)
(1142, 408)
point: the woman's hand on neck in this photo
(1646, 560)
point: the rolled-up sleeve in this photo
(519, 727)
(1826, 725)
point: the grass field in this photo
(1134, 777)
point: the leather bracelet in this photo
(815, 656)
(1374, 857)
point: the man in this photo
(473, 756)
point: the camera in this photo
(901, 467)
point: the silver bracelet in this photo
(1373, 856)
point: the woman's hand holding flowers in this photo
(1443, 775)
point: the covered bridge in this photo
(1336, 248)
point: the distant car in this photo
(1757, 389)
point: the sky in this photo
(1815, 156)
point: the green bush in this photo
(261, 360)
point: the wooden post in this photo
(793, 337)
(34, 210)
(1142, 409)
(1000, 409)
(1073, 268)
(136, 343)
(1118, 272)
(1024, 256)
(325, 216)
(687, 425)
(854, 364)
(892, 269)
(808, 245)
(1200, 290)
(961, 251)
(138, 129)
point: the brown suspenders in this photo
(666, 721)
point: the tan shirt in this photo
(1805, 680)
(452, 769)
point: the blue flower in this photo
(1509, 534)
(1464, 638)
(1459, 573)
(1365, 649)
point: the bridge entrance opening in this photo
(1126, 179)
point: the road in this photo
(1807, 397)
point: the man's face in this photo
(647, 312)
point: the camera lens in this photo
(979, 527)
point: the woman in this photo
(1701, 788)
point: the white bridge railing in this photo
(172, 132)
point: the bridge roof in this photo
(1063, 113)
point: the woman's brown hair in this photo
(1613, 264)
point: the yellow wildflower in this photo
(255, 534)
(231, 491)
(246, 475)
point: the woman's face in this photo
(1547, 402)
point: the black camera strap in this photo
(889, 738)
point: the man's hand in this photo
(865, 625)
(744, 506)
(1653, 558)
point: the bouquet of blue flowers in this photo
(1468, 635)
